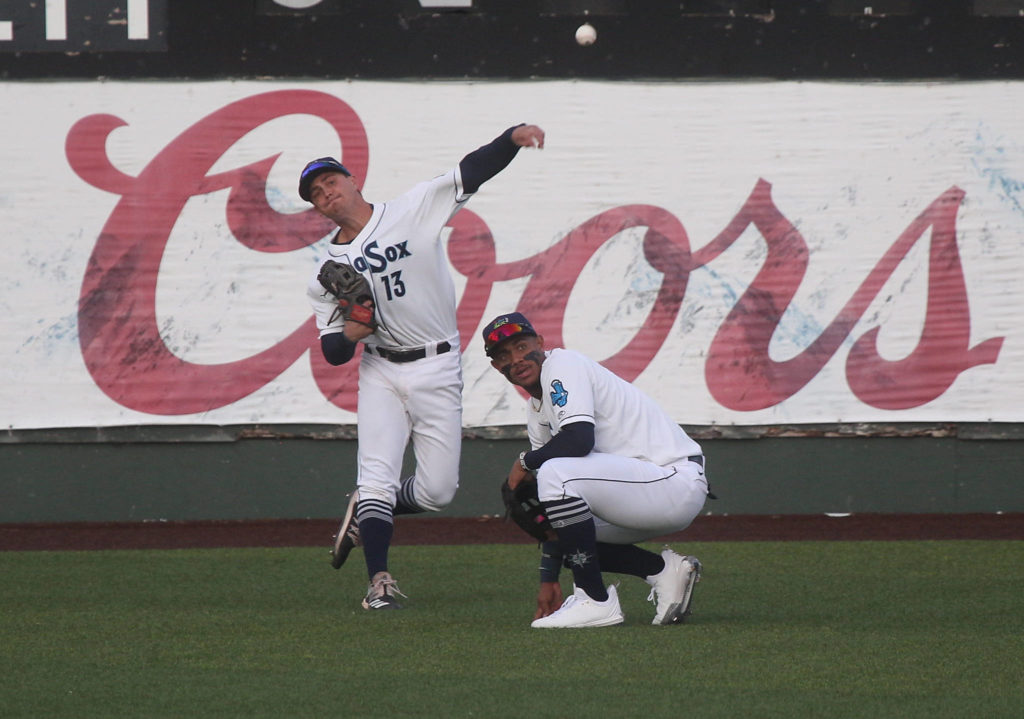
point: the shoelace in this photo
(384, 585)
(569, 601)
(572, 599)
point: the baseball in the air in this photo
(586, 34)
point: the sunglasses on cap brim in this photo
(504, 332)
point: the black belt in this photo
(408, 355)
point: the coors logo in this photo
(127, 358)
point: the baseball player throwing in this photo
(384, 282)
(611, 469)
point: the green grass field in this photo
(795, 629)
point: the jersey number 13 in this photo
(393, 285)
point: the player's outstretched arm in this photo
(485, 162)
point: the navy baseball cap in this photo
(504, 326)
(318, 167)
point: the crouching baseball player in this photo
(608, 468)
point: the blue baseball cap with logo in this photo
(504, 326)
(317, 167)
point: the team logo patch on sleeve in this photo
(559, 394)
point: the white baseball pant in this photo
(632, 500)
(421, 400)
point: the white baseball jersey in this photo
(401, 254)
(626, 421)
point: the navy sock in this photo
(405, 500)
(376, 527)
(629, 559)
(577, 538)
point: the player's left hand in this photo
(549, 599)
(528, 136)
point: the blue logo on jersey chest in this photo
(559, 394)
(377, 260)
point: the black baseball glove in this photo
(351, 290)
(524, 508)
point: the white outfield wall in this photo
(749, 253)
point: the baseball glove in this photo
(524, 508)
(351, 290)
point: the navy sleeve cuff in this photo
(337, 348)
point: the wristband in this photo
(522, 462)
(550, 562)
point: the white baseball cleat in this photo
(579, 610)
(673, 587)
(348, 534)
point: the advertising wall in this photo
(796, 224)
(747, 252)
